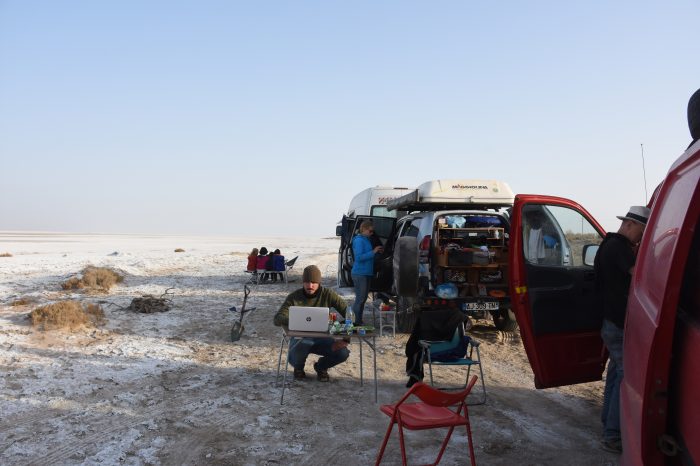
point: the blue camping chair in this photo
(461, 350)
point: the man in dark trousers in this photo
(332, 351)
(614, 264)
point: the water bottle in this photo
(331, 321)
(349, 319)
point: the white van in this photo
(456, 236)
(373, 201)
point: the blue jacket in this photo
(363, 253)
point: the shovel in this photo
(237, 329)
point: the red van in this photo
(560, 328)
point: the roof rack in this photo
(455, 194)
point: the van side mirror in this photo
(589, 252)
(338, 230)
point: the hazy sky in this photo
(245, 118)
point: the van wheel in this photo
(406, 315)
(406, 267)
(505, 320)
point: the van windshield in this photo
(381, 211)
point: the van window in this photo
(381, 211)
(383, 228)
(483, 221)
(412, 229)
(555, 235)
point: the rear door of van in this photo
(551, 289)
(383, 234)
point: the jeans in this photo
(361, 292)
(299, 349)
(612, 337)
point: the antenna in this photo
(644, 170)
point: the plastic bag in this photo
(455, 221)
(446, 291)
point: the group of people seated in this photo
(271, 263)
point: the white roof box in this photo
(455, 194)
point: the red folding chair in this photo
(432, 412)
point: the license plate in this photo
(487, 306)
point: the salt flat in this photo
(170, 388)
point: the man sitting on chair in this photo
(332, 352)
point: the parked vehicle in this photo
(368, 202)
(373, 201)
(454, 238)
(660, 408)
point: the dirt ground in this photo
(171, 388)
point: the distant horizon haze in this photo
(245, 118)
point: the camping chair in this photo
(431, 412)
(253, 280)
(456, 352)
(290, 263)
(287, 267)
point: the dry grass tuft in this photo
(5, 254)
(23, 301)
(66, 314)
(179, 250)
(99, 278)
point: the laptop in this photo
(308, 319)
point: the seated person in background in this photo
(277, 263)
(262, 261)
(252, 260)
(268, 267)
(332, 352)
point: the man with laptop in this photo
(306, 309)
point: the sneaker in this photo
(612, 445)
(299, 374)
(321, 374)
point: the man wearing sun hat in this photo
(614, 264)
(332, 352)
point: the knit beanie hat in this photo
(312, 274)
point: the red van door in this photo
(552, 289)
(659, 401)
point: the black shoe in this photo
(321, 374)
(299, 374)
(613, 445)
(411, 381)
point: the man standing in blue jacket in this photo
(363, 267)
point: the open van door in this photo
(383, 233)
(552, 289)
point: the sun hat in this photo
(637, 213)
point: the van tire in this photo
(406, 314)
(406, 267)
(505, 320)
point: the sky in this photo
(266, 118)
